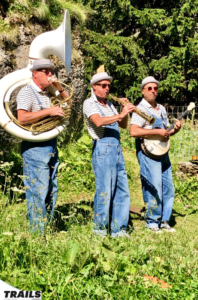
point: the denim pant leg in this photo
(151, 177)
(101, 162)
(121, 199)
(168, 189)
(53, 185)
(36, 169)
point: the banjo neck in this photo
(179, 118)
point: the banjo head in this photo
(155, 147)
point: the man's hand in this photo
(125, 100)
(56, 111)
(53, 81)
(177, 126)
(163, 132)
(128, 108)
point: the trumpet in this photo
(141, 113)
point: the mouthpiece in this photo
(52, 78)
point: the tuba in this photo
(56, 42)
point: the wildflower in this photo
(40, 272)
(6, 166)
(15, 189)
(23, 176)
(7, 233)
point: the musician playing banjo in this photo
(40, 159)
(155, 172)
(112, 192)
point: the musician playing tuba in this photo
(112, 192)
(156, 174)
(40, 159)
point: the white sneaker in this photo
(120, 234)
(100, 233)
(166, 227)
(155, 229)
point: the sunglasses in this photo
(149, 88)
(103, 85)
(46, 71)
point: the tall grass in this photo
(69, 262)
(42, 12)
(74, 264)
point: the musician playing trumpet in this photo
(112, 192)
(40, 159)
(156, 173)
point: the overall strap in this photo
(110, 107)
(102, 111)
(163, 119)
(37, 98)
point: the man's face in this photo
(149, 91)
(101, 88)
(41, 77)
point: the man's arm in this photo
(124, 122)
(139, 132)
(121, 118)
(26, 117)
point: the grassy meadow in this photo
(69, 262)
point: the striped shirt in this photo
(146, 107)
(26, 99)
(90, 107)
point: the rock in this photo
(187, 169)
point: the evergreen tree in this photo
(135, 39)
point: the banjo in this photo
(156, 146)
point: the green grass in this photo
(70, 263)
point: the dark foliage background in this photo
(135, 39)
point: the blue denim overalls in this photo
(112, 192)
(157, 183)
(40, 165)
